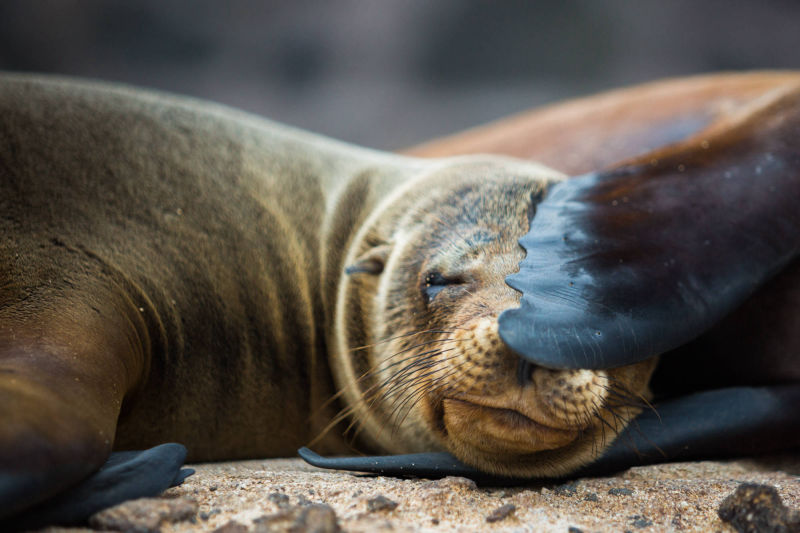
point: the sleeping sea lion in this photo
(177, 271)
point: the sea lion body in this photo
(172, 274)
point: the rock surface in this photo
(672, 497)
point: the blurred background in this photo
(390, 74)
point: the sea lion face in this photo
(432, 371)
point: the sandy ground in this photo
(271, 495)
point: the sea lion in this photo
(177, 271)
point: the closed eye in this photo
(435, 283)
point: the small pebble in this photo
(620, 492)
(573, 529)
(381, 503)
(642, 522)
(317, 518)
(455, 482)
(591, 497)
(501, 513)
(281, 500)
(567, 489)
(758, 508)
(314, 518)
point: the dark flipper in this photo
(711, 424)
(631, 263)
(125, 476)
(431, 465)
(720, 423)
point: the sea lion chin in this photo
(418, 311)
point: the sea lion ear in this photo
(372, 261)
(632, 262)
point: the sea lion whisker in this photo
(370, 397)
(370, 373)
(616, 397)
(406, 350)
(426, 343)
(378, 366)
(606, 424)
(416, 378)
(415, 365)
(404, 335)
(409, 362)
(634, 426)
(412, 377)
(630, 398)
(400, 373)
(602, 433)
(620, 421)
(416, 396)
(453, 385)
(398, 385)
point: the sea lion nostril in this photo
(525, 372)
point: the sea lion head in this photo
(420, 362)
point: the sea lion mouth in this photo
(500, 430)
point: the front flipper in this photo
(633, 262)
(63, 377)
(720, 423)
(125, 476)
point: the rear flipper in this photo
(125, 476)
(720, 423)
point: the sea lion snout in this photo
(508, 416)
(547, 399)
